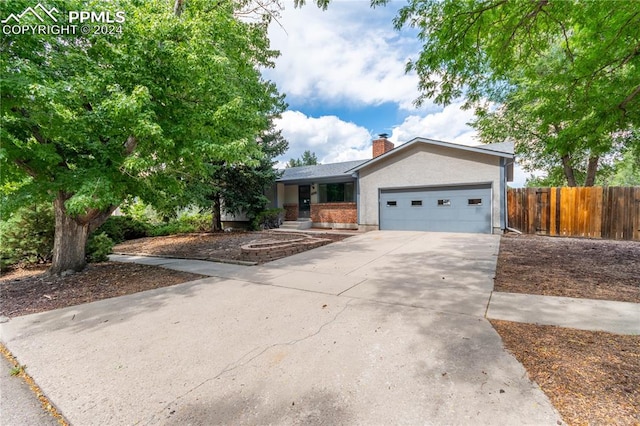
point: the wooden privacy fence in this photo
(594, 212)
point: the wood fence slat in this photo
(595, 212)
(635, 213)
(552, 211)
(586, 213)
(606, 213)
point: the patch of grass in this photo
(18, 370)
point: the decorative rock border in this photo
(266, 251)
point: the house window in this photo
(444, 203)
(336, 192)
(474, 201)
(416, 202)
(392, 203)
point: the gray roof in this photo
(502, 149)
(506, 147)
(319, 171)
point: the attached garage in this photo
(442, 208)
(429, 185)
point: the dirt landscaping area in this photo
(30, 290)
(590, 377)
(207, 246)
(570, 267)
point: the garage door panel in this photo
(464, 209)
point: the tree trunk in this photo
(70, 240)
(216, 223)
(178, 7)
(71, 234)
(568, 170)
(592, 168)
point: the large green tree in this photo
(565, 74)
(307, 158)
(88, 120)
(239, 188)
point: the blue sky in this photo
(343, 73)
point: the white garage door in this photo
(444, 209)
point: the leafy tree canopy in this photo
(308, 158)
(90, 119)
(564, 74)
(241, 188)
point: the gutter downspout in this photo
(356, 176)
(503, 191)
(506, 204)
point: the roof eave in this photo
(415, 141)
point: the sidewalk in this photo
(582, 314)
(570, 312)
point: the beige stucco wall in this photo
(291, 194)
(280, 192)
(426, 165)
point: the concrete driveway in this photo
(381, 328)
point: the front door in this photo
(304, 201)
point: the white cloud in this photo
(330, 138)
(334, 140)
(449, 125)
(351, 58)
(349, 54)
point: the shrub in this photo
(268, 219)
(184, 224)
(171, 228)
(99, 247)
(201, 222)
(121, 228)
(139, 211)
(27, 236)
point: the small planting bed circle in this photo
(281, 245)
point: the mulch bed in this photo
(31, 290)
(570, 267)
(591, 377)
(208, 246)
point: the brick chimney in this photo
(381, 145)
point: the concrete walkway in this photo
(583, 314)
(381, 328)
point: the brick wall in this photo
(271, 250)
(334, 213)
(290, 212)
(380, 146)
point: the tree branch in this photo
(528, 17)
(623, 104)
(130, 145)
(24, 166)
(178, 7)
